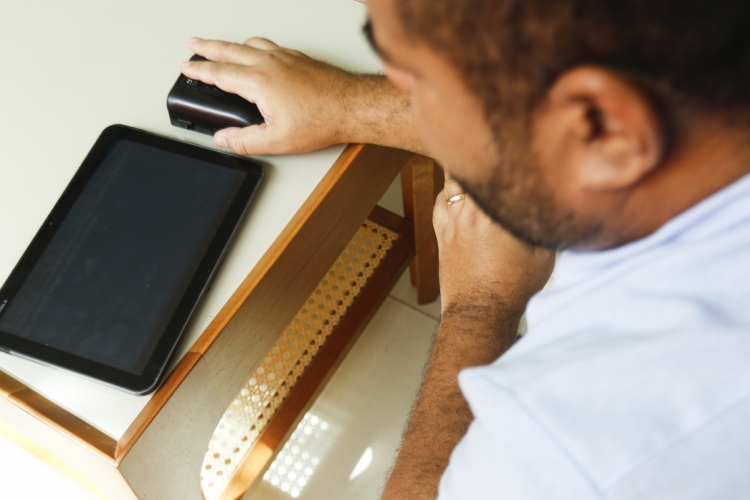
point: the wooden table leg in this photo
(421, 181)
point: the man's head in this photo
(576, 123)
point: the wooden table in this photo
(73, 68)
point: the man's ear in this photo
(604, 129)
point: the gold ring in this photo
(456, 197)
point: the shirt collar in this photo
(711, 216)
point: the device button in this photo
(186, 124)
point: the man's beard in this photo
(518, 198)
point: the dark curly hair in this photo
(693, 53)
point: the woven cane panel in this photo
(263, 393)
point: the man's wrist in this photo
(479, 332)
(375, 112)
(494, 309)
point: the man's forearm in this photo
(467, 336)
(486, 279)
(378, 113)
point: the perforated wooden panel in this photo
(264, 392)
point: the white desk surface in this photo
(70, 69)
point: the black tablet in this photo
(109, 282)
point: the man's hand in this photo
(486, 278)
(306, 104)
(480, 262)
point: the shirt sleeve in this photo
(505, 454)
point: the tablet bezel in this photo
(197, 285)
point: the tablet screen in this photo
(110, 278)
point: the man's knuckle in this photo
(215, 69)
(270, 57)
(237, 50)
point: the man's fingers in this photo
(223, 137)
(251, 140)
(261, 43)
(218, 50)
(237, 139)
(440, 213)
(449, 202)
(452, 188)
(228, 77)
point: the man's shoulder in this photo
(613, 402)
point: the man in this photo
(619, 130)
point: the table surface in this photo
(73, 68)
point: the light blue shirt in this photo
(634, 378)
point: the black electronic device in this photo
(109, 282)
(194, 105)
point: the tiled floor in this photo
(364, 407)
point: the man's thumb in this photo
(250, 140)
